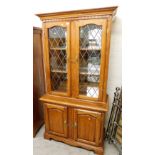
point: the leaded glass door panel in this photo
(90, 47)
(58, 52)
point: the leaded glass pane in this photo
(58, 58)
(89, 56)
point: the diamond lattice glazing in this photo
(90, 54)
(58, 61)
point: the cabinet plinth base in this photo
(98, 150)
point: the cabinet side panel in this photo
(107, 58)
(38, 79)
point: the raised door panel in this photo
(87, 126)
(56, 119)
(56, 57)
(90, 50)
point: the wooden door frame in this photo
(78, 24)
(48, 83)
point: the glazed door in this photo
(87, 126)
(56, 57)
(90, 55)
(56, 119)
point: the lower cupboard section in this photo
(81, 126)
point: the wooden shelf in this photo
(58, 71)
(63, 85)
(86, 73)
(90, 49)
(89, 84)
(58, 48)
(81, 73)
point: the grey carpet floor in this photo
(51, 147)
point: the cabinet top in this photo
(107, 11)
(76, 103)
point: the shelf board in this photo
(90, 49)
(86, 73)
(89, 84)
(58, 48)
(58, 71)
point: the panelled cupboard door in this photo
(87, 126)
(90, 56)
(56, 57)
(56, 119)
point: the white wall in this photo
(115, 70)
(115, 61)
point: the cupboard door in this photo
(90, 55)
(56, 57)
(87, 126)
(56, 119)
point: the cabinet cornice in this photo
(75, 14)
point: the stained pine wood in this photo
(70, 122)
(70, 117)
(87, 126)
(56, 119)
(76, 103)
(73, 62)
(107, 57)
(99, 150)
(111, 11)
(46, 59)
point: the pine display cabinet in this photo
(76, 47)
